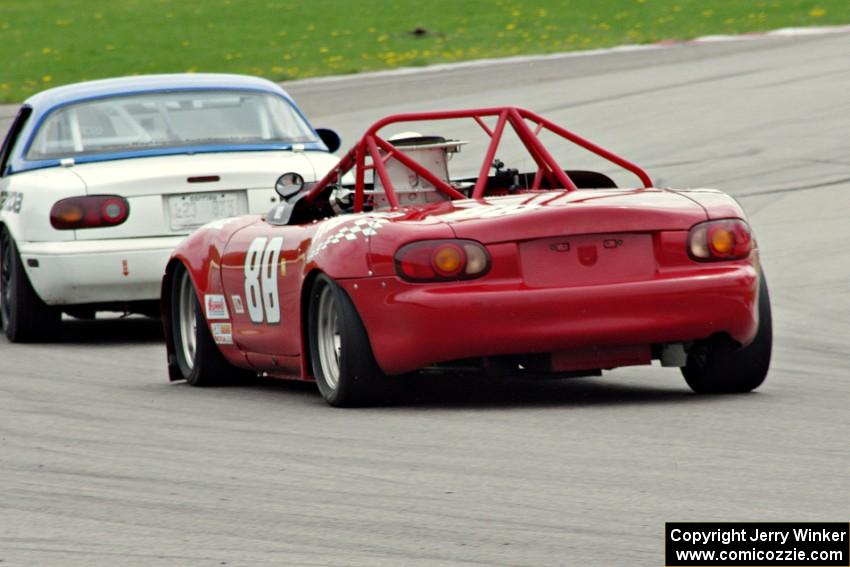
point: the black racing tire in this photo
(343, 362)
(198, 358)
(24, 317)
(716, 366)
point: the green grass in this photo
(44, 43)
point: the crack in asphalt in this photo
(651, 90)
(823, 185)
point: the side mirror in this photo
(330, 138)
(288, 185)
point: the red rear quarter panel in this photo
(717, 205)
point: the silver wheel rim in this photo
(188, 320)
(330, 342)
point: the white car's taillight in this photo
(92, 211)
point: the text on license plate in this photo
(195, 209)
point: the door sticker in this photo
(236, 301)
(216, 307)
(222, 333)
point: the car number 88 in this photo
(261, 262)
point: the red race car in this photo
(388, 265)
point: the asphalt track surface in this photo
(103, 462)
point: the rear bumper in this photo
(97, 271)
(413, 326)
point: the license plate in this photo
(195, 209)
(587, 259)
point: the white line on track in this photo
(664, 44)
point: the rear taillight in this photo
(728, 239)
(89, 212)
(442, 260)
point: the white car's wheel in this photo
(23, 315)
(198, 358)
(343, 364)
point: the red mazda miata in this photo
(389, 265)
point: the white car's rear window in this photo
(166, 120)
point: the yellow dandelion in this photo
(707, 13)
(817, 12)
(46, 78)
(323, 49)
(45, 50)
(510, 26)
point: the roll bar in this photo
(519, 118)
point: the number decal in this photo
(261, 262)
(11, 201)
(253, 294)
(271, 257)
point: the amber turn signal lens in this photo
(448, 260)
(70, 214)
(722, 241)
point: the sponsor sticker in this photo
(216, 307)
(236, 301)
(222, 333)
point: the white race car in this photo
(100, 181)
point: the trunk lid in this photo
(172, 195)
(558, 213)
(578, 238)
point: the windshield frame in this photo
(20, 162)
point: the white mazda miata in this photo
(99, 181)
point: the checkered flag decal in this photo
(350, 231)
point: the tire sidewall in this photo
(7, 243)
(332, 395)
(361, 381)
(209, 367)
(11, 323)
(189, 373)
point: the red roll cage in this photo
(547, 168)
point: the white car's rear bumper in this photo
(97, 271)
